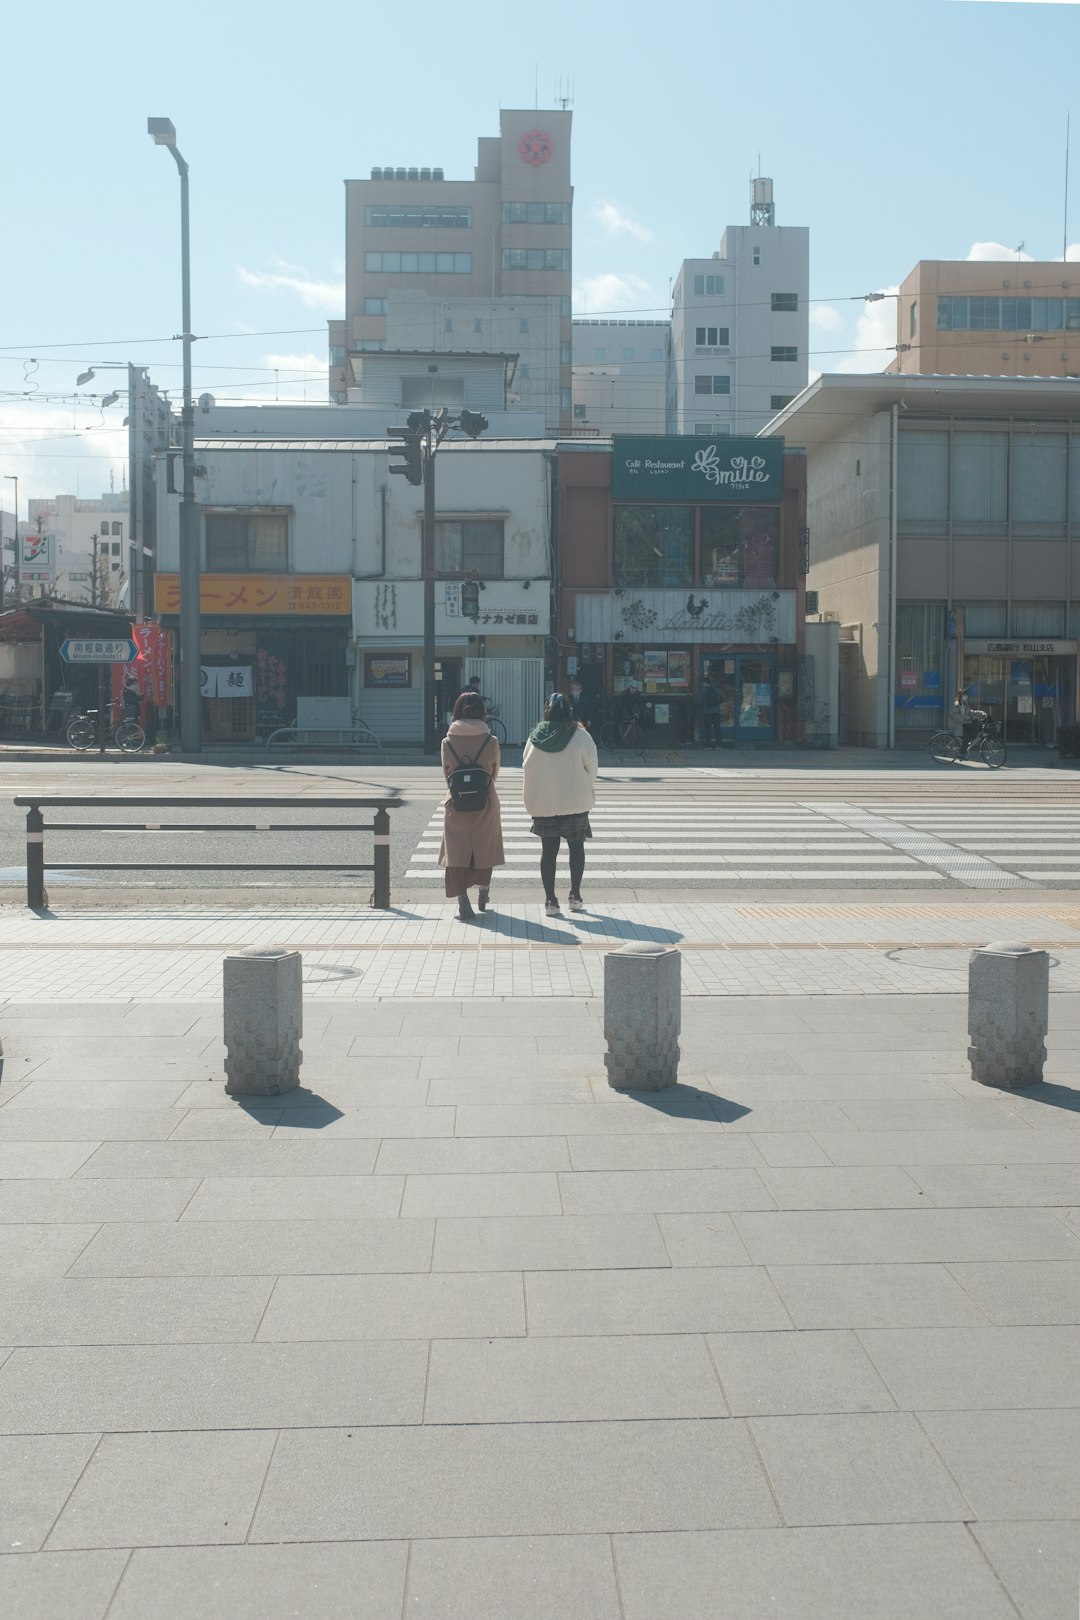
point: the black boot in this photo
(482, 899)
(464, 908)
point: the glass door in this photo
(756, 698)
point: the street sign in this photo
(120, 650)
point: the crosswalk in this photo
(662, 835)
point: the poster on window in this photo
(388, 672)
(656, 665)
(678, 669)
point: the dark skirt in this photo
(459, 880)
(573, 828)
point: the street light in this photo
(163, 134)
(14, 477)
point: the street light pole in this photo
(14, 478)
(163, 133)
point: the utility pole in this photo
(421, 437)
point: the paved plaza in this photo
(455, 1332)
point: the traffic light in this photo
(412, 467)
(472, 423)
(470, 599)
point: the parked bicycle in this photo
(986, 745)
(495, 725)
(82, 732)
(621, 732)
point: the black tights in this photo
(550, 855)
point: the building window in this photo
(579, 413)
(417, 218)
(412, 264)
(523, 325)
(478, 326)
(628, 354)
(536, 213)
(1009, 313)
(923, 492)
(978, 483)
(536, 259)
(374, 306)
(116, 548)
(566, 354)
(566, 306)
(447, 325)
(711, 337)
(712, 385)
(656, 354)
(564, 399)
(654, 545)
(740, 545)
(709, 286)
(703, 429)
(784, 351)
(913, 318)
(118, 528)
(247, 542)
(757, 255)
(599, 354)
(337, 354)
(523, 373)
(778, 401)
(1037, 484)
(470, 545)
(105, 548)
(785, 303)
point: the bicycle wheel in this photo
(944, 747)
(498, 731)
(130, 737)
(631, 736)
(607, 735)
(81, 733)
(992, 750)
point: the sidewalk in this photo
(454, 1331)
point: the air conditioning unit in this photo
(812, 602)
(830, 617)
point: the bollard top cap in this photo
(269, 956)
(644, 948)
(1006, 947)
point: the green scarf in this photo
(552, 736)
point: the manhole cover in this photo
(944, 960)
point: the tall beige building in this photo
(982, 318)
(439, 268)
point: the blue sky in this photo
(894, 132)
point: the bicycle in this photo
(495, 725)
(621, 732)
(946, 749)
(82, 733)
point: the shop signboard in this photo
(291, 595)
(388, 672)
(1020, 648)
(681, 468)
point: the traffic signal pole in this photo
(428, 564)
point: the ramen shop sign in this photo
(696, 469)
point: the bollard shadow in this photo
(688, 1102)
(301, 1109)
(1049, 1092)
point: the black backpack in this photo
(468, 782)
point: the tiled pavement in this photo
(455, 1331)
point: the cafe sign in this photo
(670, 468)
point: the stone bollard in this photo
(264, 1019)
(642, 1017)
(1008, 1004)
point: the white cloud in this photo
(875, 337)
(326, 296)
(608, 293)
(299, 379)
(826, 317)
(56, 451)
(993, 251)
(616, 223)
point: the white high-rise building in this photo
(739, 326)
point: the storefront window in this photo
(739, 545)
(920, 673)
(654, 545)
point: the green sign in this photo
(674, 468)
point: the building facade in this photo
(944, 517)
(740, 327)
(78, 550)
(620, 376)
(464, 267)
(680, 561)
(312, 593)
(978, 318)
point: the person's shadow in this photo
(644, 933)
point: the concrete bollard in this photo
(1008, 1006)
(642, 1017)
(264, 1019)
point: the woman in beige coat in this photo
(472, 839)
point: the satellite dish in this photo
(206, 401)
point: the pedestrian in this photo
(964, 721)
(558, 783)
(472, 843)
(710, 714)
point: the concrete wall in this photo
(848, 516)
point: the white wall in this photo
(70, 521)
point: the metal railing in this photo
(36, 865)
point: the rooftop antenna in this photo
(536, 85)
(564, 93)
(1018, 250)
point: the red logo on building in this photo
(536, 148)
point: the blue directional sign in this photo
(98, 650)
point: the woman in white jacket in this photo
(558, 777)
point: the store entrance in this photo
(1029, 697)
(747, 686)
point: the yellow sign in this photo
(294, 594)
